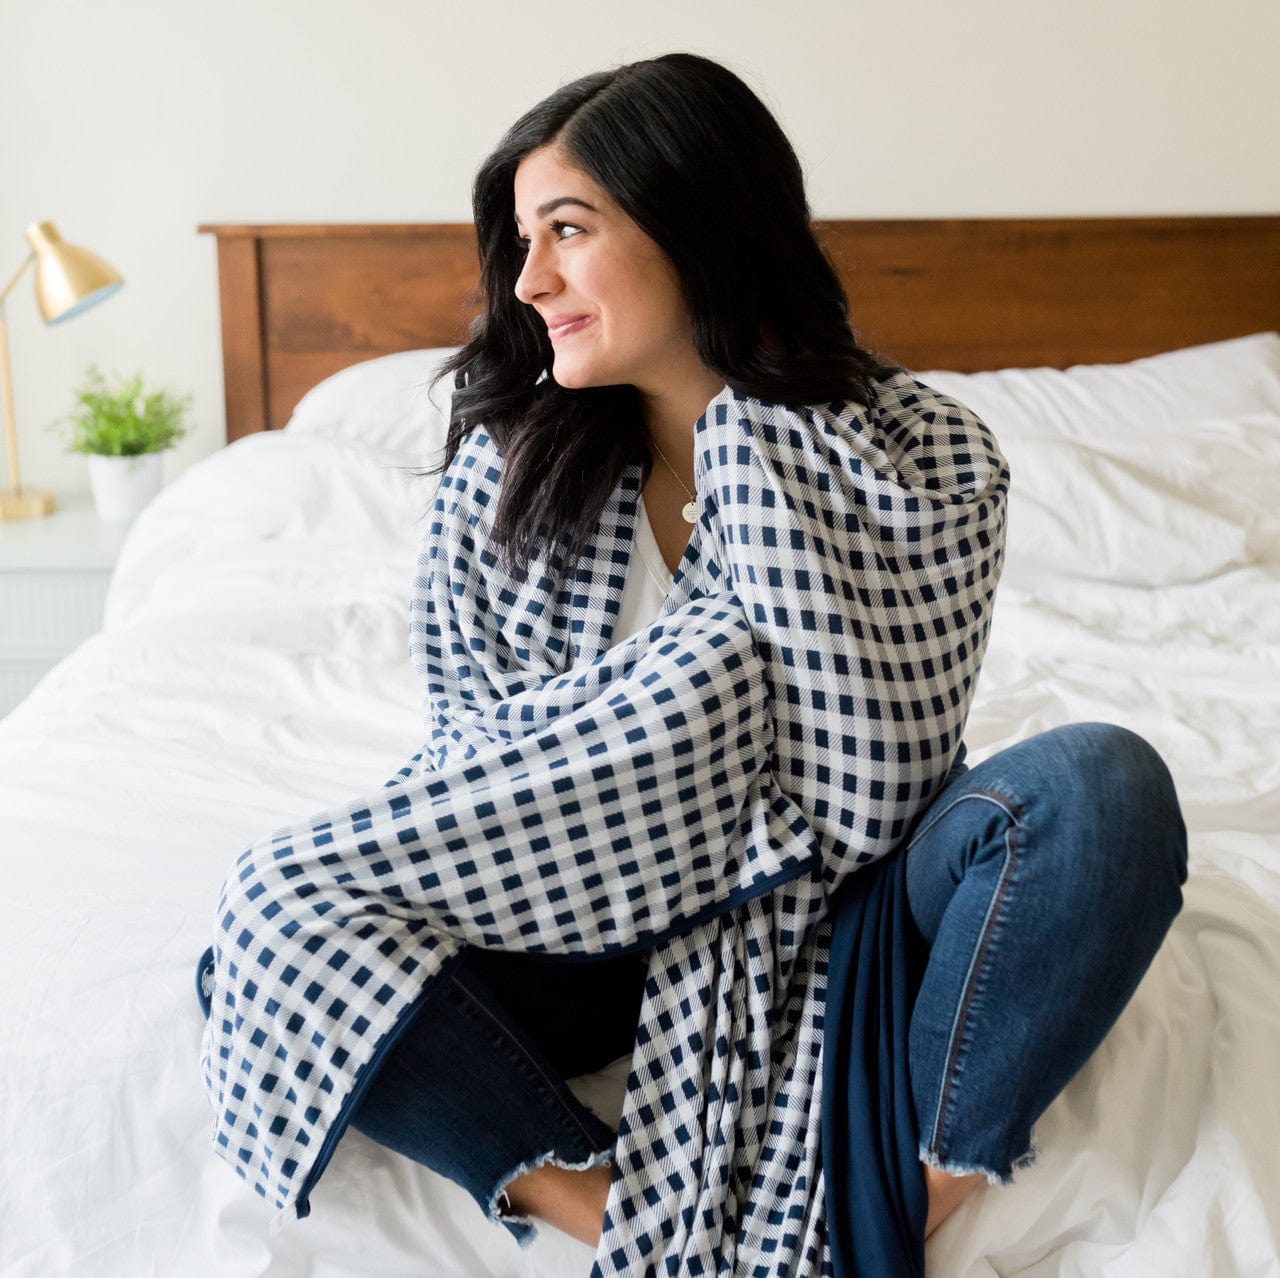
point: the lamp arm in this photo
(6, 384)
(17, 275)
(6, 397)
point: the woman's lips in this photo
(563, 327)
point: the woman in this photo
(643, 836)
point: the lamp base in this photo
(26, 503)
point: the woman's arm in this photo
(642, 807)
(865, 547)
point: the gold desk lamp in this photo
(68, 280)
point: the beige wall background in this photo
(130, 122)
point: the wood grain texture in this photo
(302, 301)
(243, 356)
(980, 294)
(325, 297)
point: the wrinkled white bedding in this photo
(253, 668)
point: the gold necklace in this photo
(689, 511)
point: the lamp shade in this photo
(69, 279)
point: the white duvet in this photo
(253, 668)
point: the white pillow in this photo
(1223, 379)
(1153, 473)
(1177, 505)
(383, 404)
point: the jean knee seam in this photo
(1002, 801)
(998, 897)
(531, 1066)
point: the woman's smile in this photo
(561, 326)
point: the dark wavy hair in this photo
(694, 157)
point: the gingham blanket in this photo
(697, 790)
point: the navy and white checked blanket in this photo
(698, 790)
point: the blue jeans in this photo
(475, 1088)
(1042, 880)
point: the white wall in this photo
(129, 122)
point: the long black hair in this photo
(694, 157)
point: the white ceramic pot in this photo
(123, 485)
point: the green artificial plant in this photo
(126, 419)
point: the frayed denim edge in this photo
(952, 1168)
(522, 1227)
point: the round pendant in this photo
(690, 512)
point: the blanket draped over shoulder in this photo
(699, 791)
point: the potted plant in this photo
(125, 429)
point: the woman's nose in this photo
(537, 277)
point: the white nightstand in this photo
(54, 574)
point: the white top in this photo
(648, 581)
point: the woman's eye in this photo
(561, 231)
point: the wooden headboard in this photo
(301, 302)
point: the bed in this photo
(253, 668)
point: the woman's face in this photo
(608, 294)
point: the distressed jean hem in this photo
(522, 1227)
(953, 1167)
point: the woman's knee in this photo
(1124, 772)
(1115, 784)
